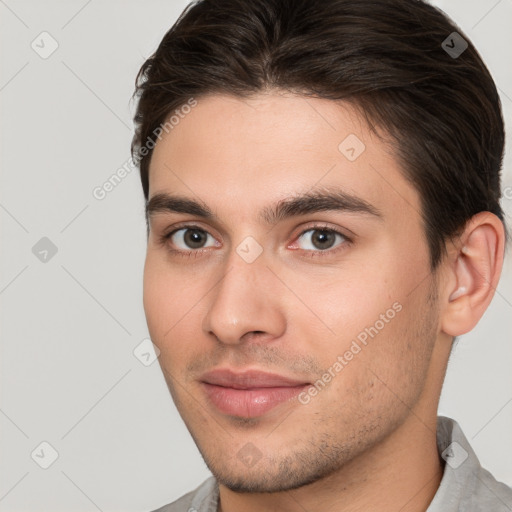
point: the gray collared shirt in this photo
(465, 486)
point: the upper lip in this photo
(248, 379)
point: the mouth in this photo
(249, 394)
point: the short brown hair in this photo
(443, 112)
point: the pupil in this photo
(193, 238)
(321, 238)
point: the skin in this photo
(367, 440)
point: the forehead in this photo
(239, 155)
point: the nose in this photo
(245, 302)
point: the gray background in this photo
(70, 324)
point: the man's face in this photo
(348, 319)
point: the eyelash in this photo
(309, 253)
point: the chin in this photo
(270, 478)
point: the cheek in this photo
(338, 306)
(153, 299)
(350, 295)
(171, 307)
(383, 331)
(162, 297)
(383, 378)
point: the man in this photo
(322, 181)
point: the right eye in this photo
(188, 238)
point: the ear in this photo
(473, 270)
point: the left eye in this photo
(321, 239)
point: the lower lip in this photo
(249, 403)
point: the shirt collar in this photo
(460, 469)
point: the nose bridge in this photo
(242, 301)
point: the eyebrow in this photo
(318, 200)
